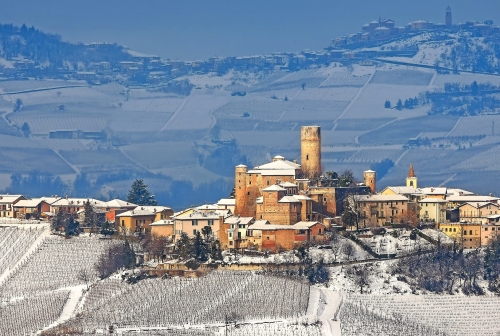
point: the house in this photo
(140, 218)
(478, 211)
(455, 201)
(115, 207)
(33, 208)
(192, 221)
(226, 203)
(274, 237)
(466, 234)
(163, 227)
(7, 203)
(73, 205)
(233, 232)
(432, 209)
(377, 210)
(490, 230)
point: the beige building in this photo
(432, 209)
(466, 234)
(192, 221)
(7, 203)
(478, 211)
(377, 210)
(235, 232)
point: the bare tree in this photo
(349, 250)
(361, 275)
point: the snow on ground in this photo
(400, 245)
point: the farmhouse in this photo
(7, 203)
(140, 218)
(26, 209)
(191, 221)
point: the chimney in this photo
(66, 196)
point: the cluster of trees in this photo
(155, 245)
(117, 256)
(65, 221)
(36, 184)
(201, 248)
(42, 47)
(448, 269)
(180, 87)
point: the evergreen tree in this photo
(140, 195)
(399, 105)
(184, 247)
(107, 228)
(200, 247)
(387, 104)
(89, 215)
(216, 251)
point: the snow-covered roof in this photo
(259, 200)
(9, 198)
(478, 205)
(162, 222)
(135, 213)
(432, 200)
(227, 201)
(77, 201)
(152, 208)
(434, 191)
(305, 225)
(274, 187)
(288, 199)
(29, 203)
(238, 220)
(471, 198)
(118, 203)
(402, 190)
(380, 198)
(278, 165)
(302, 197)
(288, 184)
(493, 216)
(458, 192)
(50, 200)
(207, 207)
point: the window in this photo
(319, 231)
(470, 232)
(445, 229)
(194, 222)
(123, 222)
(302, 231)
(465, 232)
(248, 193)
(230, 234)
(307, 157)
(232, 226)
(485, 229)
(231, 242)
(267, 238)
(454, 229)
(194, 232)
(268, 182)
(210, 222)
(324, 199)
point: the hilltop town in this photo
(346, 191)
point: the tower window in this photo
(248, 193)
(411, 183)
(307, 157)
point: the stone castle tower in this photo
(448, 18)
(240, 189)
(310, 150)
(411, 180)
(370, 179)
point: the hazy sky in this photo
(189, 29)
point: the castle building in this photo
(370, 179)
(285, 192)
(448, 18)
(310, 151)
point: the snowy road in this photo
(332, 300)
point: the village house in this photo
(478, 211)
(490, 230)
(466, 234)
(162, 227)
(73, 205)
(7, 203)
(115, 207)
(274, 237)
(140, 218)
(378, 210)
(432, 209)
(233, 233)
(192, 221)
(226, 204)
(33, 208)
